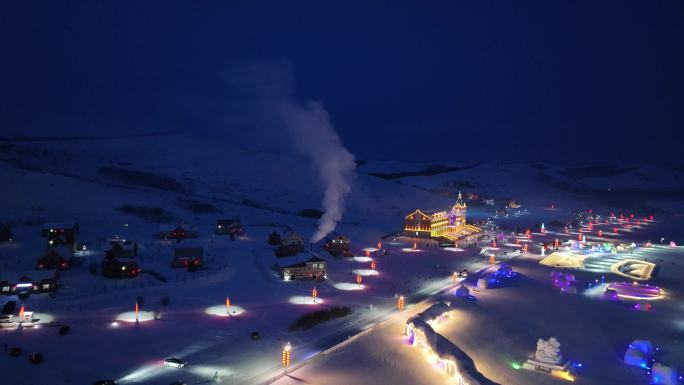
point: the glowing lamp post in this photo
(525, 248)
(22, 312)
(528, 232)
(600, 233)
(359, 279)
(228, 305)
(400, 303)
(367, 252)
(137, 311)
(615, 230)
(285, 356)
(373, 265)
(493, 242)
(314, 292)
(379, 245)
(415, 246)
(454, 276)
(491, 259)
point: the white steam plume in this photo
(267, 89)
(315, 138)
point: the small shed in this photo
(121, 248)
(187, 256)
(59, 257)
(229, 226)
(292, 244)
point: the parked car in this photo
(105, 382)
(64, 330)
(35, 358)
(255, 335)
(15, 352)
(174, 363)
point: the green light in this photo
(516, 366)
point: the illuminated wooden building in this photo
(425, 224)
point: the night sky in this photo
(415, 80)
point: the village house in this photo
(114, 268)
(338, 246)
(440, 224)
(5, 232)
(61, 234)
(121, 248)
(314, 268)
(59, 257)
(34, 282)
(178, 232)
(229, 226)
(187, 257)
(292, 244)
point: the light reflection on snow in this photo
(452, 249)
(363, 259)
(348, 286)
(129, 316)
(365, 272)
(305, 300)
(221, 311)
(410, 250)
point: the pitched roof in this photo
(228, 222)
(459, 202)
(184, 252)
(61, 251)
(60, 225)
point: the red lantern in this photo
(314, 292)
(359, 279)
(373, 265)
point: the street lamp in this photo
(285, 356)
(400, 303)
(228, 305)
(359, 279)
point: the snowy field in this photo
(68, 181)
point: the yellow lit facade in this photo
(437, 224)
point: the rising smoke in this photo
(267, 96)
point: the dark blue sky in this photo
(416, 80)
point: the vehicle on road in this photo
(174, 363)
(105, 382)
(35, 358)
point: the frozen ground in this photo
(67, 180)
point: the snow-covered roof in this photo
(126, 245)
(62, 251)
(431, 313)
(188, 252)
(33, 275)
(59, 225)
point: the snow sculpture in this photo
(665, 375)
(548, 358)
(548, 351)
